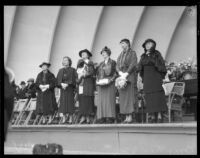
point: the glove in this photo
(41, 87)
(125, 74)
(47, 86)
(120, 73)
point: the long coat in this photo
(46, 101)
(127, 62)
(88, 81)
(67, 75)
(86, 100)
(106, 100)
(152, 71)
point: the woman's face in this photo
(105, 55)
(44, 67)
(84, 55)
(148, 45)
(65, 62)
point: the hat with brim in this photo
(147, 41)
(30, 80)
(125, 40)
(45, 63)
(107, 50)
(86, 51)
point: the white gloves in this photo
(123, 74)
(120, 73)
(64, 85)
(44, 87)
(103, 81)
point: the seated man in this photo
(30, 89)
(22, 91)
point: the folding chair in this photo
(22, 103)
(15, 112)
(30, 109)
(176, 99)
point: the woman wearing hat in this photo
(126, 68)
(45, 84)
(106, 74)
(86, 85)
(31, 88)
(66, 81)
(152, 71)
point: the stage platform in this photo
(165, 138)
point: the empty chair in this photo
(176, 99)
(21, 106)
(30, 109)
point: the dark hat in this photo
(30, 80)
(45, 63)
(85, 50)
(107, 50)
(125, 40)
(22, 83)
(149, 40)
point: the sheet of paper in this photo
(80, 89)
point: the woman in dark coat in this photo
(126, 67)
(86, 85)
(152, 71)
(66, 81)
(45, 84)
(106, 74)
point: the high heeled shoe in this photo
(82, 121)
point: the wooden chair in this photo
(15, 113)
(30, 109)
(22, 103)
(176, 99)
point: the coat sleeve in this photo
(75, 77)
(117, 64)
(133, 64)
(38, 82)
(90, 71)
(140, 68)
(114, 72)
(59, 78)
(160, 64)
(52, 81)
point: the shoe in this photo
(82, 121)
(130, 121)
(160, 121)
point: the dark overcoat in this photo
(106, 100)
(152, 71)
(88, 81)
(67, 75)
(46, 101)
(127, 62)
